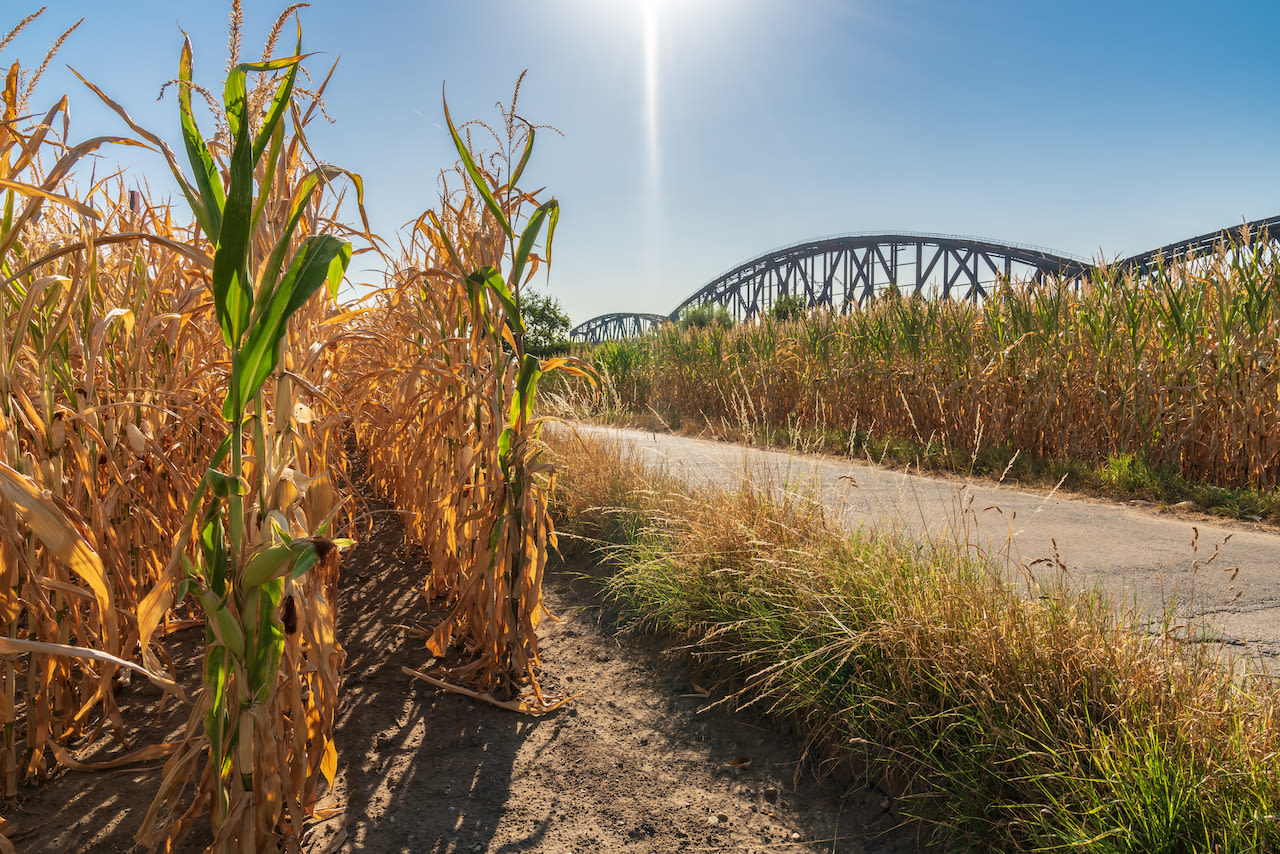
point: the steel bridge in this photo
(611, 327)
(846, 270)
(1259, 231)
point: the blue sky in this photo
(723, 128)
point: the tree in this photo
(546, 325)
(788, 307)
(705, 315)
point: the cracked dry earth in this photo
(636, 763)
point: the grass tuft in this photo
(1008, 719)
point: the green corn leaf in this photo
(524, 159)
(269, 174)
(7, 223)
(320, 259)
(224, 485)
(504, 451)
(302, 194)
(476, 298)
(265, 652)
(212, 198)
(482, 186)
(279, 103)
(216, 679)
(526, 388)
(213, 548)
(525, 249)
(489, 278)
(232, 296)
(305, 560)
(553, 220)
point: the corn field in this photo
(1180, 368)
(180, 385)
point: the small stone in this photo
(1186, 505)
(795, 837)
(1139, 502)
(770, 793)
(721, 817)
(602, 657)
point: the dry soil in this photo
(637, 762)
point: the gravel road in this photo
(1143, 554)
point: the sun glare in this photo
(649, 11)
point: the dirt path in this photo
(633, 764)
(1143, 554)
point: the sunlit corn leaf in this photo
(231, 286)
(477, 178)
(210, 198)
(526, 389)
(514, 180)
(320, 259)
(303, 193)
(489, 277)
(282, 98)
(550, 211)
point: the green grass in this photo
(1005, 721)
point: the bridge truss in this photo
(841, 272)
(847, 270)
(612, 327)
(1249, 234)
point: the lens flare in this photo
(649, 14)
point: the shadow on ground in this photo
(635, 763)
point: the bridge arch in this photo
(612, 327)
(846, 270)
(1246, 234)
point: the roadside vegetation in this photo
(1163, 388)
(1001, 716)
(179, 391)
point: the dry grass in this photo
(1180, 370)
(1009, 722)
